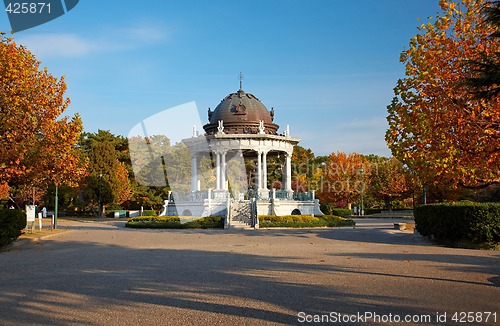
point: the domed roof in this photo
(241, 113)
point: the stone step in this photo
(234, 222)
(240, 216)
(240, 227)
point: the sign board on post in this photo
(30, 213)
(30, 216)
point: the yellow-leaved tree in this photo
(437, 127)
(37, 145)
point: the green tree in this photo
(302, 168)
(389, 180)
(106, 176)
(149, 159)
(119, 143)
(485, 79)
(302, 158)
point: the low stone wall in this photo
(202, 209)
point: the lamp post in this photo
(362, 209)
(100, 210)
(425, 193)
(56, 207)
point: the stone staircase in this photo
(240, 216)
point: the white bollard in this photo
(40, 221)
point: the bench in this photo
(408, 226)
(400, 226)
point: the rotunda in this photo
(240, 129)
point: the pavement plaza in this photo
(100, 273)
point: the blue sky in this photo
(327, 67)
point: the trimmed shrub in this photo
(370, 211)
(341, 212)
(174, 222)
(150, 212)
(12, 221)
(330, 209)
(337, 221)
(460, 223)
(303, 221)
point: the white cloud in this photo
(49, 45)
(57, 45)
(146, 33)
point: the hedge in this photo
(463, 223)
(12, 221)
(301, 221)
(341, 212)
(174, 222)
(370, 211)
(330, 209)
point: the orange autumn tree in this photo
(343, 179)
(436, 126)
(4, 190)
(36, 145)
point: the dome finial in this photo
(241, 81)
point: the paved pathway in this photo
(103, 274)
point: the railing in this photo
(190, 196)
(283, 195)
(303, 196)
(198, 196)
(224, 195)
(219, 195)
(298, 196)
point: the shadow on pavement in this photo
(65, 281)
(204, 282)
(73, 279)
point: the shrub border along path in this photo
(462, 224)
(304, 221)
(176, 222)
(217, 222)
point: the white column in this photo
(288, 172)
(283, 176)
(217, 170)
(264, 162)
(223, 171)
(259, 170)
(194, 173)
